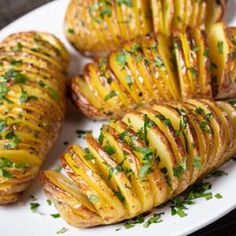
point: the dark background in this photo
(11, 10)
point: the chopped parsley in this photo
(204, 125)
(71, 31)
(217, 173)
(218, 196)
(55, 215)
(197, 163)
(49, 202)
(128, 3)
(147, 161)
(16, 62)
(62, 230)
(88, 155)
(15, 140)
(6, 163)
(206, 53)
(34, 206)
(159, 63)
(101, 138)
(199, 190)
(25, 97)
(119, 195)
(143, 132)
(109, 149)
(93, 198)
(193, 72)
(121, 59)
(52, 92)
(180, 168)
(129, 80)
(110, 95)
(17, 48)
(165, 121)
(155, 219)
(132, 222)
(81, 133)
(220, 47)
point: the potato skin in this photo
(106, 185)
(32, 71)
(96, 27)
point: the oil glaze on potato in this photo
(142, 161)
(96, 27)
(150, 69)
(32, 71)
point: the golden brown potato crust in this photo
(142, 161)
(32, 105)
(96, 27)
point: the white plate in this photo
(19, 220)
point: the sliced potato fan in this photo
(32, 71)
(142, 161)
(150, 69)
(96, 27)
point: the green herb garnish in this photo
(220, 47)
(128, 3)
(62, 230)
(110, 95)
(34, 206)
(55, 215)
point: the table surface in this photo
(10, 10)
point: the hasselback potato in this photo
(98, 26)
(33, 67)
(151, 69)
(142, 161)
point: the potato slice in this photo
(63, 190)
(157, 179)
(9, 198)
(221, 56)
(118, 182)
(203, 140)
(144, 14)
(157, 15)
(215, 11)
(100, 85)
(135, 57)
(179, 19)
(149, 47)
(211, 119)
(166, 127)
(201, 19)
(203, 62)
(187, 134)
(85, 99)
(167, 66)
(231, 111)
(132, 164)
(118, 64)
(194, 13)
(182, 68)
(90, 183)
(190, 57)
(158, 143)
(227, 128)
(168, 16)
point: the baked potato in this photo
(33, 68)
(154, 69)
(142, 161)
(96, 27)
